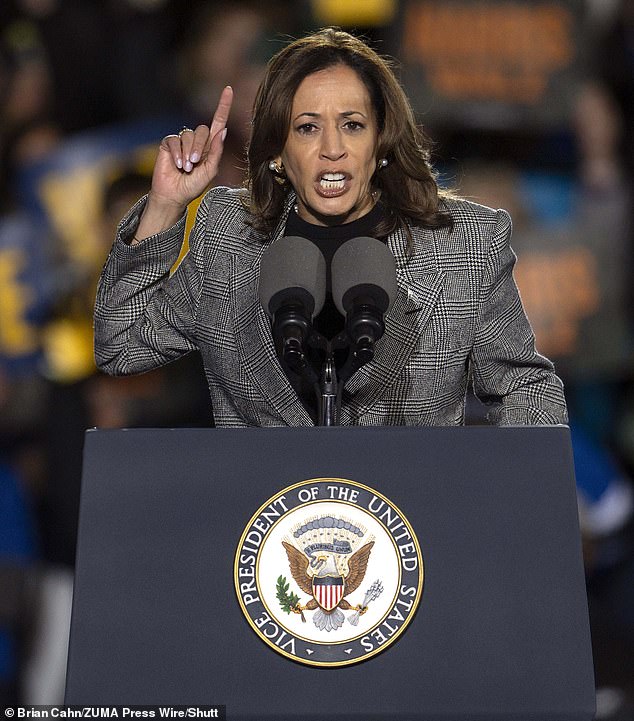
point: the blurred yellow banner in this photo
(368, 13)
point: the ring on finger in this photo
(184, 130)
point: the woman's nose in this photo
(332, 144)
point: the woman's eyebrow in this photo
(344, 114)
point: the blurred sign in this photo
(50, 252)
(66, 189)
(491, 63)
(25, 290)
(352, 13)
(561, 290)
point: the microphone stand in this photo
(326, 386)
(329, 400)
(329, 384)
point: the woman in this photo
(334, 154)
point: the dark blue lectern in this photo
(501, 630)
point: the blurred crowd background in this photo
(530, 104)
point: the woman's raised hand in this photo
(185, 166)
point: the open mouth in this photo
(332, 181)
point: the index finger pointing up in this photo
(222, 111)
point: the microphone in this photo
(292, 292)
(363, 289)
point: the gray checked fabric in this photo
(457, 312)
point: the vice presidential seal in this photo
(328, 572)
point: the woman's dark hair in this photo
(408, 186)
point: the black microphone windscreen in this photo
(292, 262)
(363, 262)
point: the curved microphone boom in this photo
(363, 289)
(292, 291)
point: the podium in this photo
(500, 631)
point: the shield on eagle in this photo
(328, 591)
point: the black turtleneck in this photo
(329, 239)
(329, 322)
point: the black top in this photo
(329, 323)
(329, 239)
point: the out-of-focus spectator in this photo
(614, 63)
(17, 557)
(229, 44)
(614, 69)
(110, 61)
(571, 232)
(25, 78)
(27, 293)
(27, 134)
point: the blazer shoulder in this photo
(467, 241)
(222, 200)
(469, 213)
(223, 220)
(476, 228)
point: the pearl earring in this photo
(278, 170)
(383, 163)
(275, 167)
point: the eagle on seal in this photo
(327, 585)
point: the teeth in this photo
(332, 181)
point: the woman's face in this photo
(330, 152)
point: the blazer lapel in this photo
(419, 283)
(254, 337)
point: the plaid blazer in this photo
(457, 312)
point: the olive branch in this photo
(289, 602)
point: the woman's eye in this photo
(354, 125)
(306, 128)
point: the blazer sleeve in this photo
(145, 317)
(508, 373)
